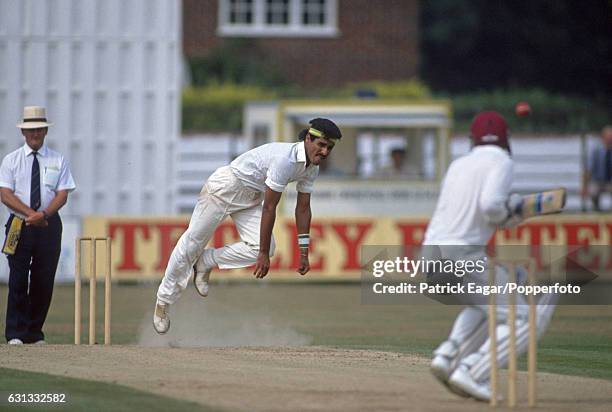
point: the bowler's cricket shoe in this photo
(161, 317)
(200, 277)
(462, 380)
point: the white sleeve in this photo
(496, 191)
(7, 177)
(279, 174)
(65, 182)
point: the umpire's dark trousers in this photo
(32, 274)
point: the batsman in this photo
(474, 201)
(248, 190)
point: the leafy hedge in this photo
(411, 89)
(549, 112)
(219, 107)
(237, 60)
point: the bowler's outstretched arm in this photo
(268, 217)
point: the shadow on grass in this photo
(84, 395)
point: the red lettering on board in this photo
(169, 234)
(316, 233)
(128, 253)
(412, 233)
(351, 243)
(535, 237)
(536, 232)
(225, 234)
(581, 234)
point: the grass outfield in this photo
(84, 395)
(578, 342)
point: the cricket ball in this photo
(522, 109)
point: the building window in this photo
(277, 12)
(278, 18)
(313, 12)
(240, 11)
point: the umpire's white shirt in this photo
(472, 198)
(16, 173)
(275, 165)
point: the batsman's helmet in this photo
(490, 128)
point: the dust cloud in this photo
(214, 322)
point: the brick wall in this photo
(378, 40)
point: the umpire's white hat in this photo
(34, 117)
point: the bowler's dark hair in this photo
(302, 134)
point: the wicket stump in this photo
(512, 354)
(92, 290)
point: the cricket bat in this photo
(543, 203)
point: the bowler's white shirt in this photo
(472, 198)
(275, 165)
(16, 173)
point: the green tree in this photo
(236, 61)
(559, 45)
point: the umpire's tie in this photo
(35, 183)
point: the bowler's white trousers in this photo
(223, 195)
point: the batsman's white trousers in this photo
(223, 195)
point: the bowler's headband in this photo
(317, 133)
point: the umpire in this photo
(34, 185)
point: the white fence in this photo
(197, 156)
(541, 162)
